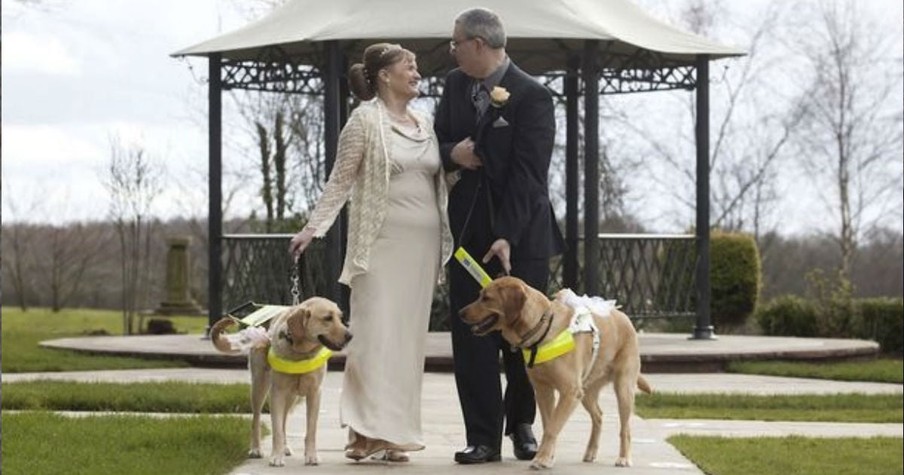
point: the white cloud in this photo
(39, 146)
(27, 53)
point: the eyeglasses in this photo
(453, 45)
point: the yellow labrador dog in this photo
(564, 362)
(290, 365)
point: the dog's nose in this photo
(461, 315)
(348, 337)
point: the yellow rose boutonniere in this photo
(499, 96)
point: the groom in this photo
(495, 124)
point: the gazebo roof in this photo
(542, 35)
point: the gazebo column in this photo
(214, 191)
(570, 259)
(331, 128)
(704, 328)
(591, 166)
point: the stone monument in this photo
(178, 299)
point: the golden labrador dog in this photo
(528, 320)
(283, 368)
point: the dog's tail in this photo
(643, 385)
(220, 342)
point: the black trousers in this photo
(476, 359)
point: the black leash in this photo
(536, 346)
(465, 228)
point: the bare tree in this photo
(134, 181)
(288, 133)
(853, 138)
(273, 168)
(752, 126)
(17, 265)
(616, 163)
(70, 253)
(18, 262)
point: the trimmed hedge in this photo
(882, 320)
(788, 315)
(877, 319)
(735, 279)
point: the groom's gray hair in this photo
(482, 23)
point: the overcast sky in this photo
(79, 73)
(76, 75)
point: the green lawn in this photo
(878, 408)
(40, 443)
(793, 455)
(22, 331)
(879, 371)
(161, 397)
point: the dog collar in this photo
(301, 366)
(547, 319)
(561, 344)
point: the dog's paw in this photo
(622, 462)
(542, 463)
(589, 456)
(311, 459)
(255, 453)
(288, 451)
(277, 461)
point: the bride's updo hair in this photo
(362, 77)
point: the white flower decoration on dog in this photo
(499, 96)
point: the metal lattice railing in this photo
(648, 275)
(258, 268)
(275, 70)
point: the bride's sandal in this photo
(395, 455)
(357, 450)
(370, 447)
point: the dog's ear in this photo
(297, 322)
(513, 298)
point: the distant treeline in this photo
(79, 265)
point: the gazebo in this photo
(579, 48)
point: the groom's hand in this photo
(462, 154)
(503, 251)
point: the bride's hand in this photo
(463, 155)
(300, 242)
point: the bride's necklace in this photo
(405, 120)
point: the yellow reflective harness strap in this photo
(561, 344)
(298, 367)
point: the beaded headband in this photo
(385, 51)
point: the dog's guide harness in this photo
(581, 322)
(300, 366)
(254, 332)
(531, 352)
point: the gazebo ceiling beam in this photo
(274, 70)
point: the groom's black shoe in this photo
(524, 442)
(477, 454)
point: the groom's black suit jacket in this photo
(515, 143)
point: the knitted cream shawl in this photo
(362, 171)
